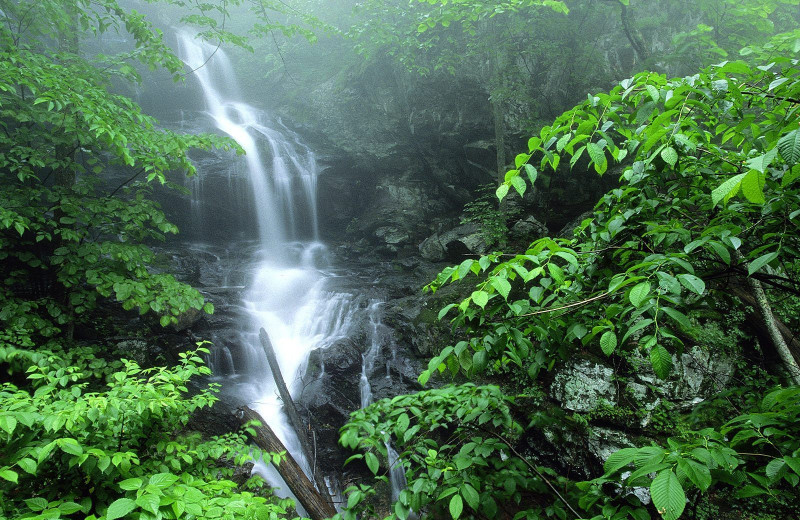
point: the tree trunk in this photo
(315, 503)
(291, 410)
(499, 138)
(771, 324)
(786, 344)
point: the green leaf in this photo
(8, 423)
(670, 156)
(36, 504)
(608, 342)
(70, 446)
(753, 187)
(149, 502)
(471, 496)
(698, 473)
(162, 480)
(480, 298)
(120, 508)
(501, 284)
(639, 294)
(789, 147)
(653, 91)
(727, 189)
(131, 484)
(668, 495)
(532, 173)
(519, 185)
(661, 360)
(372, 462)
(28, 465)
(456, 506)
(760, 262)
(678, 316)
(793, 463)
(693, 283)
(9, 475)
(619, 459)
(502, 191)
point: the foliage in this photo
(708, 196)
(493, 220)
(102, 439)
(83, 433)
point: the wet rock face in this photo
(582, 386)
(619, 406)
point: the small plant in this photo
(492, 217)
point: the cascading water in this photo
(287, 293)
(378, 336)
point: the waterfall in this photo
(288, 292)
(378, 335)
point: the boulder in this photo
(582, 386)
(454, 244)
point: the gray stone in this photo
(454, 244)
(583, 385)
(432, 249)
(529, 228)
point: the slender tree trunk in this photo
(291, 410)
(771, 325)
(318, 506)
(499, 138)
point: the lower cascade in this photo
(288, 292)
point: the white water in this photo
(378, 333)
(287, 293)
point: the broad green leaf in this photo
(608, 342)
(728, 189)
(70, 446)
(9, 475)
(8, 423)
(698, 473)
(619, 459)
(753, 187)
(372, 462)
(501, 284)
(532, 173)
(661, 360)
(456, 506)
(36, 504)
(149, 502)
(653, 91)
(760, 262)
(639, 294)
(595, 152)
(131, 484)
(28, 465)
(502, 191)
(519, 185)
(668, 495)
(120, 508)
(789, 147)
(693, 283)
(471, 496)
(670, 156)
(762, 162)
(678, 316)
(481, 298)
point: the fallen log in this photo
(317, 505)
(291, 410)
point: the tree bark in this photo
(291, 410)
(315, 503)
(771, 324)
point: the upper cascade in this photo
(282, 170)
